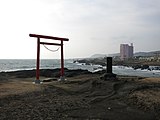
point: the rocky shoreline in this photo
(135, 65)
(83, 96)
(44, 72)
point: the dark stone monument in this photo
(108, 75)
(109, 65)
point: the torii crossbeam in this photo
(46, 43)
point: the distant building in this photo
(126, 51)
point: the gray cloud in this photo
(93, 26)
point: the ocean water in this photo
(29, 64)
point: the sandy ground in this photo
(83, 96)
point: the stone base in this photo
(108, 76)
(62, 78)
(37, 82)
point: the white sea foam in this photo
(15, 65)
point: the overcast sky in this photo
(92, 26)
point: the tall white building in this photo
(126, 51)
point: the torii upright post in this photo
(62, 62)
(38, 53)
(38, 61)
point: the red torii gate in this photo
(46, 43)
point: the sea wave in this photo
(15, 65)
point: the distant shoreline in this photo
(134, 64)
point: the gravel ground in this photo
(82, 96)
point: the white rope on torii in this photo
(50, 49)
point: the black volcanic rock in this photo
(45, 73)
